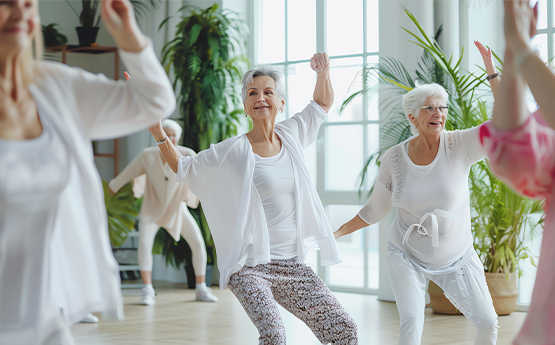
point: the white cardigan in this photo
(82, 274)
(162, 193)
(222, 178)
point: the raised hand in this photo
(127, 77)
(157, 131)
(119, 19)
(487, 57)
(320, 62)
(519, 24)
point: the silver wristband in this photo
(160, 142)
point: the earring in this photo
(246, 114)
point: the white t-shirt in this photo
(432, 224)
(275, 182)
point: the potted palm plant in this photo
(502, 221)
(207, 60)
(90, 18)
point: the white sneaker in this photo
(205, 295)
(89, 319)
(148, 296)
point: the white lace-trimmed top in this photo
(432, 224)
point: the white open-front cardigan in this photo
(222, 178)
(80, 274)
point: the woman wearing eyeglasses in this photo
(426, 178)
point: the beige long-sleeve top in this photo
(162, 193)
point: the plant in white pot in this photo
(502, 221)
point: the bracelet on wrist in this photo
(493, 76)
(160, 142)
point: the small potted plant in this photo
(53, 37)
(90, 18)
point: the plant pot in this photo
(87, 36)
(504, 294)
(440, 303)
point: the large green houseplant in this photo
(206, 60)
(502, 221)
(122, 210)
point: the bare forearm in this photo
(494, 84)
(170, 152)
(323, 92)
(510, 110)
(542, 84)
(351, 226)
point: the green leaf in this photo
(193, 34)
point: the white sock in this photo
(201, 286)
(149, 287)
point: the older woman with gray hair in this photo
(165, 205)
(264, 212)
(426, 178)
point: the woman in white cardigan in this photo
(56, 264)
(165, 205)
(264, 212)
(426, 178)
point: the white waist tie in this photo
(420, 229)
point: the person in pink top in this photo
(521, 150)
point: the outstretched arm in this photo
(489, 65)
(376, 209)
(170, 152)
(323, 92)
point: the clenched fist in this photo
(320, 62)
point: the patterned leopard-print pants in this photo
(300, 291)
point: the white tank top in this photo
(274, 179)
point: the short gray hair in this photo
(264, 70)
(415, 99)
(171, 124)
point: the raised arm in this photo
(519, 24)
(489, 66)
(323, 92)
(111, 109)
(170, 152)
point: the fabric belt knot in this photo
(422, 230)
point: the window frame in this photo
(328, 197)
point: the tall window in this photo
(544, 43)
(288, 33)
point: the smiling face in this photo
(262, 99)
(430, 124)
(18, 21)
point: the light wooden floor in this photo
(178, 319)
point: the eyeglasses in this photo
(432, 110)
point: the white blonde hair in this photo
(30, 58)
(415, 99)
(268, 71)
(171, 124)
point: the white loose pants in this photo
(190, 232)
(466, 288)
